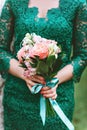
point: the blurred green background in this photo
(80, 113)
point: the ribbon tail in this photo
(61, 114)
(43, 109)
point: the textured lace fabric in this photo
(66, 24)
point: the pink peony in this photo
(21, 54)
(40, 49)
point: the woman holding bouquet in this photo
(64, 21)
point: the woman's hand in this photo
(48, 92)
(32, 80)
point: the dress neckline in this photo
(37, 9)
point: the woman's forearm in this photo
(18, 71)
(15, 69)
(65, 74)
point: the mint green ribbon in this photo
(36, 89)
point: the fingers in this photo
(30, 84)
(30, 87)
(54, 97)
(33, 80)
(37, 79)
(49, 92)
(45, 89)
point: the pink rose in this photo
(40, 49)
(21, 54)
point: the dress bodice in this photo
(67, 24)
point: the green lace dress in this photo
(66, 24)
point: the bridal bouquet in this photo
(41, 56)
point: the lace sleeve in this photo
(79, 61)
(6, 34)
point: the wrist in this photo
(22, 73)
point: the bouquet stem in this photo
(49, 109)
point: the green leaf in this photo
(33, 65)
(34, 62)
(57, 65)
(42, 68)
(50, 60)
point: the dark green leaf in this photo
(42, 67)
(50, 60)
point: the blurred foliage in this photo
(80, 113)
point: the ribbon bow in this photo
(36, 89)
